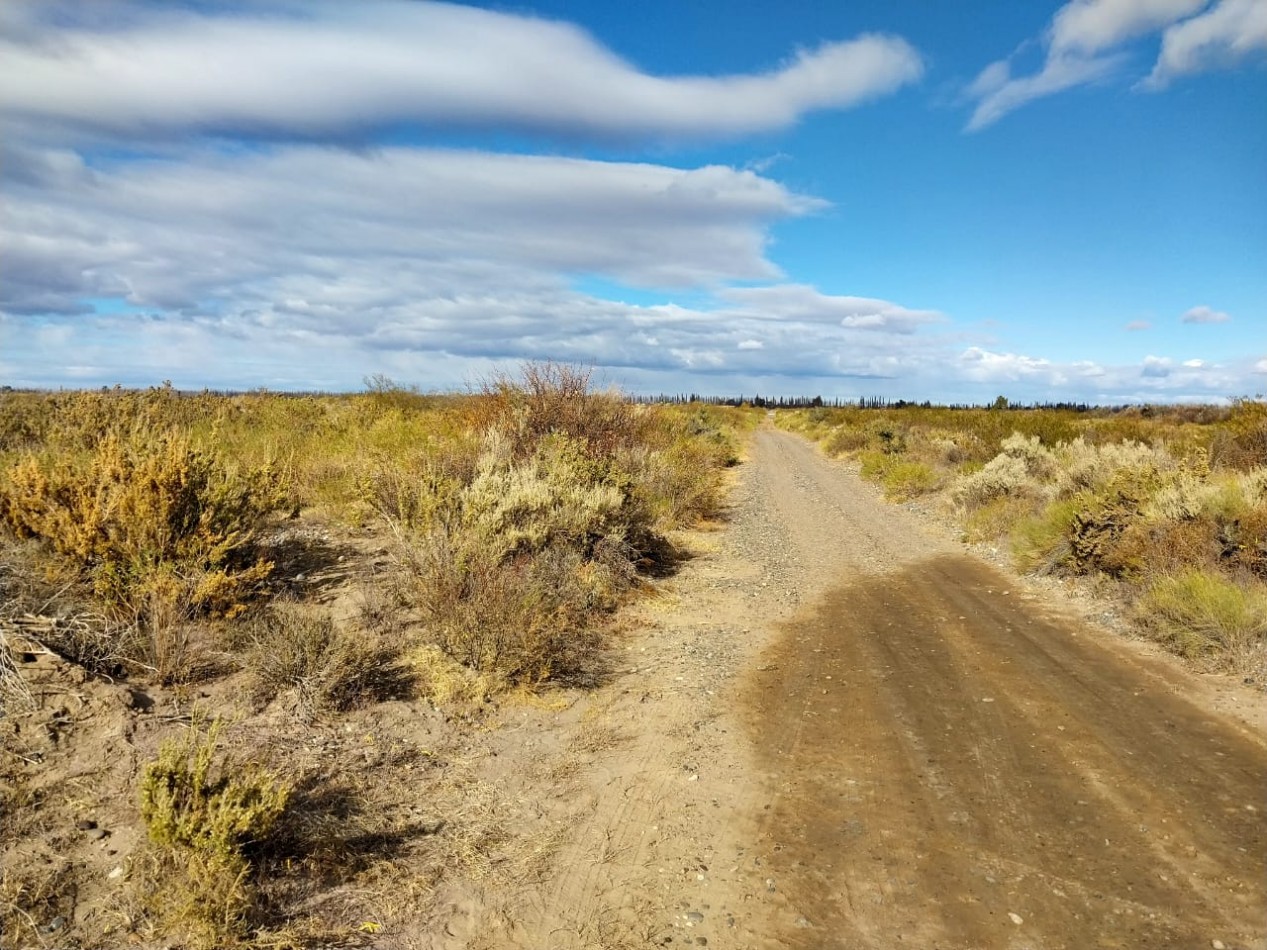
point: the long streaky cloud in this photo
(327, 69)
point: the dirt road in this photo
(849, 733)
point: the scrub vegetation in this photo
(1166, 505)
(269, 563)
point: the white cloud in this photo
(1136, 326)
(1218, 38)
(331, 234)
(1260, 368)
(986, 366)
(1205, 314)
(1060, 73)
(1157, 367)
(1089, 26)
(269, 69)
(804, 303)
(1087, 39)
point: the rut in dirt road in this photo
(949, 767)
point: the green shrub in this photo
(1040, 543)
(203, 820)
(1202, 614)
(901, 479)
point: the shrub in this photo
(844, 439)
(327, 668)
(1087, 467)
(1002, 476)
(997, 518)
(1241, 441)
(523, 620)
(554, 398)
(558, 496)
(137, 505)
(1040, 544)
(901, 479)
(204, 820)
(1201, 614)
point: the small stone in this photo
(702, 941)
(56, 924)
(97, 834)
(1218, 945)
(85, 824)
(1016, 919)
(694, 917)
(115, 873)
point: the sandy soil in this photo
(841, 730)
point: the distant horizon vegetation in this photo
(381, 383)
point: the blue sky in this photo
(910, 200)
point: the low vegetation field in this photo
(193, 587)
(1167, 507)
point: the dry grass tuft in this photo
(328, 669)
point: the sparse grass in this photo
(34, 891)
(1204, 615)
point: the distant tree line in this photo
(863, 402)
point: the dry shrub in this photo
(1202, 614)
(1003, 476)
(558, 496)
(143, 504)
(1241, 439)
(205, 818)
(445, 681)
(328, 668)
(1088, 467)
(554, 398)
(521, 620)
(845, 439)
(1169, 547)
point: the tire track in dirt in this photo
(852, 734)
(950, 760)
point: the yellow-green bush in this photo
(902, 479)
(1203, 614)
(204, 817)
(137, 503)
